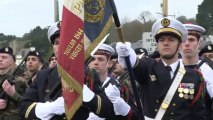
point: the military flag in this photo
(84, 24)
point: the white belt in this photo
(147, 118)
(170, 93)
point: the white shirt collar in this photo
(173, 66)
(107, 79)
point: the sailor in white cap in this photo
(190, 59)
(54, 32)
(101, 61)
(191, 45)
(54, 36)
(100, 64)
(166, 84)
(109, 85)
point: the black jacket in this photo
(44, 82)
(154, 91)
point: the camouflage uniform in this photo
(28, 78)
(11, 111)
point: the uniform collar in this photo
(173, 65)
(105, 81)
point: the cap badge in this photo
(209, 47)
(6, 49)
(37, 53)
(141, 50)
(165, 22)
(153, 78)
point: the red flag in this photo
(84, 24)
(71, 55)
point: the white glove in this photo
(119, 105)
(93, 116)
(87, 94)
(112, 92)
(58, 106)
(125, 50)
(47, 110)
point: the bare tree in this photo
(145, 16)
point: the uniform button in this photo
(173, 104)
(172, 113)
(171, 119)
(156, 110)
(157, 101)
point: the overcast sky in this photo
(20, 16)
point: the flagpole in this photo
(129, 67)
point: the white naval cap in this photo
(54, 31)
(105, 49)
(168, 25)
(194, 29)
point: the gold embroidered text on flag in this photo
(84, 24)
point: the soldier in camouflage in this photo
(11, 90)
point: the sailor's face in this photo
(190, 46)
(55, 46)
(99, 63)
(167, 46)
